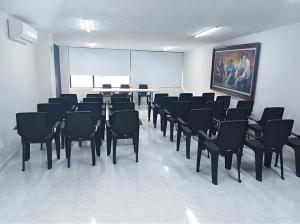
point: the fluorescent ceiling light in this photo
(88, 25)
(167, 48)
(207, 32)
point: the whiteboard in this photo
(95, 61)
(157, 69)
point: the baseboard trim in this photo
(5, 163)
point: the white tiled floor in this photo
(162, 188)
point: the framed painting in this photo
(234, 69)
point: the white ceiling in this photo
(152, 24)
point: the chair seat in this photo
(257, 145)
(255, 127)
(211, 146)
(294, 143)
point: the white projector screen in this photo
(157, 69)
(103, 62)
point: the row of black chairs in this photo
(224, 131)
(65, 120)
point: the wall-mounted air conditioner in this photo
(21, 32)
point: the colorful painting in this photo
(234, 69)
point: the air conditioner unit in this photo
(21, 32)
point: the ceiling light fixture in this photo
(88, 25)
(91, 45)
(207, 32)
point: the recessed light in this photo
(207, 31)
(88, 25)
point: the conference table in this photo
(132, 90)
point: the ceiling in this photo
(152, 24)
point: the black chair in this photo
(81, 126)
(96, 109)
(294, 142)
(155, 106)
(123, 125)
(93, 100)
(119, 95)
(270, 113)
(208, 96)
(167, 101)
(185, 96)
(200, 119)
(232, 114)
(143, 94)
(229, 141)
(217, 108)
(72, 100)
(125, 86)
(34, 128)
(54, 119)
(118, 106)
(180, 110)
(63, 102)
(246, 104)
(106, 86)
(198, 102)
(275, 136)
(98, 95)
(225, 99)
(119, 100)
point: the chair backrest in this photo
(72, 99)
(198, 102)
(79, 124)
(185, 96)
(158, 98)
(143, 86)
(120, 100)
(276, 133)
(94, 95)
(225, 99)
(235, 114)
(93, 100)
(32, 126)
(106, 86)
(247, 104)
(182, 109)
(125, 122)
(124, 86)
(208, 96)
(63, 102)
(217, 108)
(231, 135)
(122, 106)
(95, 108)
(168, 101)
(118, 95)
(53, 111)
(271, 113)
(200, 119)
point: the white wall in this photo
(18, 88)
(278, 74)
(45, 67)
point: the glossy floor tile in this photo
(162, 188)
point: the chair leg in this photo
(199, 152)
(62, 136)
(41, 148)
(108, 141)
(239, 160)
(178, 137)
(297, 161)
(23, 155)
(136, 147)
(276, 160)
(27, 152)
(68, 151)
(214, 167)
(80, 143)
(268, 159)
(281, 165)
(49, 153)
(93, 152)
(171, 131)
(162, 122)
(149, 111)
(139, 100)
(57, 145)
(188, 146)
(154, 117)
(98, 143)
(258, 165)
(114, 150)
(228, 161)
(165, 126)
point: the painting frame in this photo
(241, 49)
